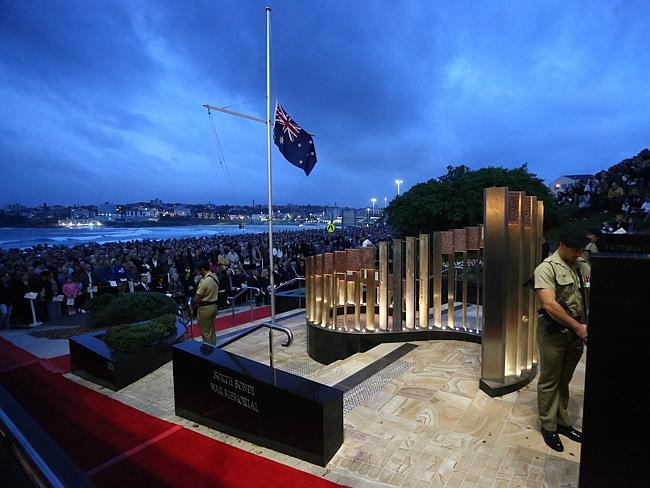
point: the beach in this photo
(25, 237)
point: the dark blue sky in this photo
(101, 100)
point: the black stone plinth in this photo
(252, 401)
(92, 359)
(615, 420)
(328, 345)
(509, 383)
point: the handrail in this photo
(233, 299)
(257, 327)
(292, 280)
(241, 291)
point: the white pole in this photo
(269, 128)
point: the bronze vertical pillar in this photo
(398, 300)
(383, 286)
(494, 293)
(410, 284)
(423, 290)
(436, 271)
(368, 269)
(448, 251)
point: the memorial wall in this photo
(464, 284)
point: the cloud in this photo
(111, 93)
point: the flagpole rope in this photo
(244, 103)
(221, 158)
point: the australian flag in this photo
(295, 144)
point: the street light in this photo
(373, 200)
(385, 202)
(398, 183)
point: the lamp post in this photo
(373, 200)
(385, 202)
(398, 183)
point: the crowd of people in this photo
(622, 192)
(62, 279)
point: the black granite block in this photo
(257, 403)
(615, 420)
(91, 358)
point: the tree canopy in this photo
(455, 200)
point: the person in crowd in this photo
(561, 333)
(70, 291)
(157, 268)
(6, 303)
(233, 257)
(83, 261)
(645, 208)
(48, 293)
(104, 273)
(593, 235)
(176, 289)
(189, 286)
(88, 280)
(204, 302)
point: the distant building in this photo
(565, 182)
(138, 214)
(182, 211)
(349, 217)
(82, 213)
(107, 212)
(15, 208)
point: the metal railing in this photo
(251, 301)
(299, 279)
(257, 327)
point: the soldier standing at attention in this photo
(204, 302)
(561, 333)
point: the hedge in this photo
(130, 338)
(130, 308)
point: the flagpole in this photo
(269, 128)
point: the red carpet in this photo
(89, 426)
(186, 458)
(227, 321)
(13, 356)
(119, 445)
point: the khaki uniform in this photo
(207, 311)
(560, 349)
(589, 250)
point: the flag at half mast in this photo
(295, 143)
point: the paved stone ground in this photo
(423, 424)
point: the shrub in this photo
(130, 338)
(131, 308)
(98, 302)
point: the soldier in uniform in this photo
(592, 246)
(561, 333)
(204, 302)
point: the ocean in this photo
(23, 238)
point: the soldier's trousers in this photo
(559, 353)
(205, 317)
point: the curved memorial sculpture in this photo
(403, 291)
